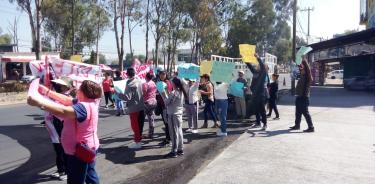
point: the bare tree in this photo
(119, 13)
(134, 16)
(147, 27)
(35, 25)
(13, 30)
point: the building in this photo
(16, 64)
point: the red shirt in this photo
(107, 85)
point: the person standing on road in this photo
(107, 85)
(175, 107)
(191, 105)
(161, 108)
(221, 102)
(80, 126)
(149, 95)
(240, 101)
(118, 101)
(258, 92)
(207, 93)
(273, 89)
(303, 98)
(134, 100)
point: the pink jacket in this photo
(86, 131)
(149, 91)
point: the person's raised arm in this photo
(63, 99)
(65, 111)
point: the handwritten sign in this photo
(236, 89)
(222, 71)
(160, 86)
(140, 71)
(120, 86)
(301, 52)
(78, 72)
(206, 67)
(247, 52)
(188, 71)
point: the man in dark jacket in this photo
(273, 88)
(302, 98)
(259, 96)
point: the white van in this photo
(336, 74)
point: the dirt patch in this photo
(13, 98)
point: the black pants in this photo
(302, 108)
(272, 105)
(259, 110)
(141, 121)
(60, 158)
(108, 95)
(164, 117)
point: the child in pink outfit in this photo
(149, 97)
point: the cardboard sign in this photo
(78, 72)
(247, 52)
(222, 71)
(160, 86)
(188, 71)
(120, 86)
(301, 52)
(236, 89)
(206, 67)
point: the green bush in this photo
(13, 87)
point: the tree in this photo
(118, 11)
(34, 20)
(147, 17)
(159, 22)
(93, 59)
(5, 38)
(13, 30)
(134, 19)
(283, 51)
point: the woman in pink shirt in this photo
(107, 89)
(149, 97)
(80, 126)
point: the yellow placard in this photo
(76, 58)
(247, 52)
(206, 67)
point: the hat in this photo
(65, 81)
(241, 72)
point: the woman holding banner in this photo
(161, 108)
(207, 93)
(80, 126)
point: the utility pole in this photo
(73, 3)
(294, 44)
(98, 34)
(308, 21)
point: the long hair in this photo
(178, 84)
(307, 69)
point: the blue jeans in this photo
(80, 172)
(209, 108)
(119, 105)
(222, 109)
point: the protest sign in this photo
(236, 89)
(76, 58)
(206, 67)
(78, 72)
(140, 71)
(188, 71)
(222, 71)
(247, 52)
(160, 86)
(301, 52)
(34, 93)
(120, 86)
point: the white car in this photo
(336, 74)
(27, 78)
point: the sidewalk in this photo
(13, 98)
(340, 151)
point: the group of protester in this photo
(76, 120)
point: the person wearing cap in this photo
(303, 97)
(240, 101)
(273, 89)
(191, 104)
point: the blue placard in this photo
(236, 89)
(160, 86)
(188, 71)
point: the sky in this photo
(329, 17)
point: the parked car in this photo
(27, 78)
(370, 84)
(356, 83)
(336, 74)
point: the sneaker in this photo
(276, 118)
(294, 128)
(264, 128)
(135, 145)
(256, 126)
(55, 175)
(189, 130)
(171, 155)
(309, 130)
(180, 152)
(164, 143)
(195, 131)
(268, 115)
(63, 177)
(106, 106)
(118, 114)
(222, 134)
